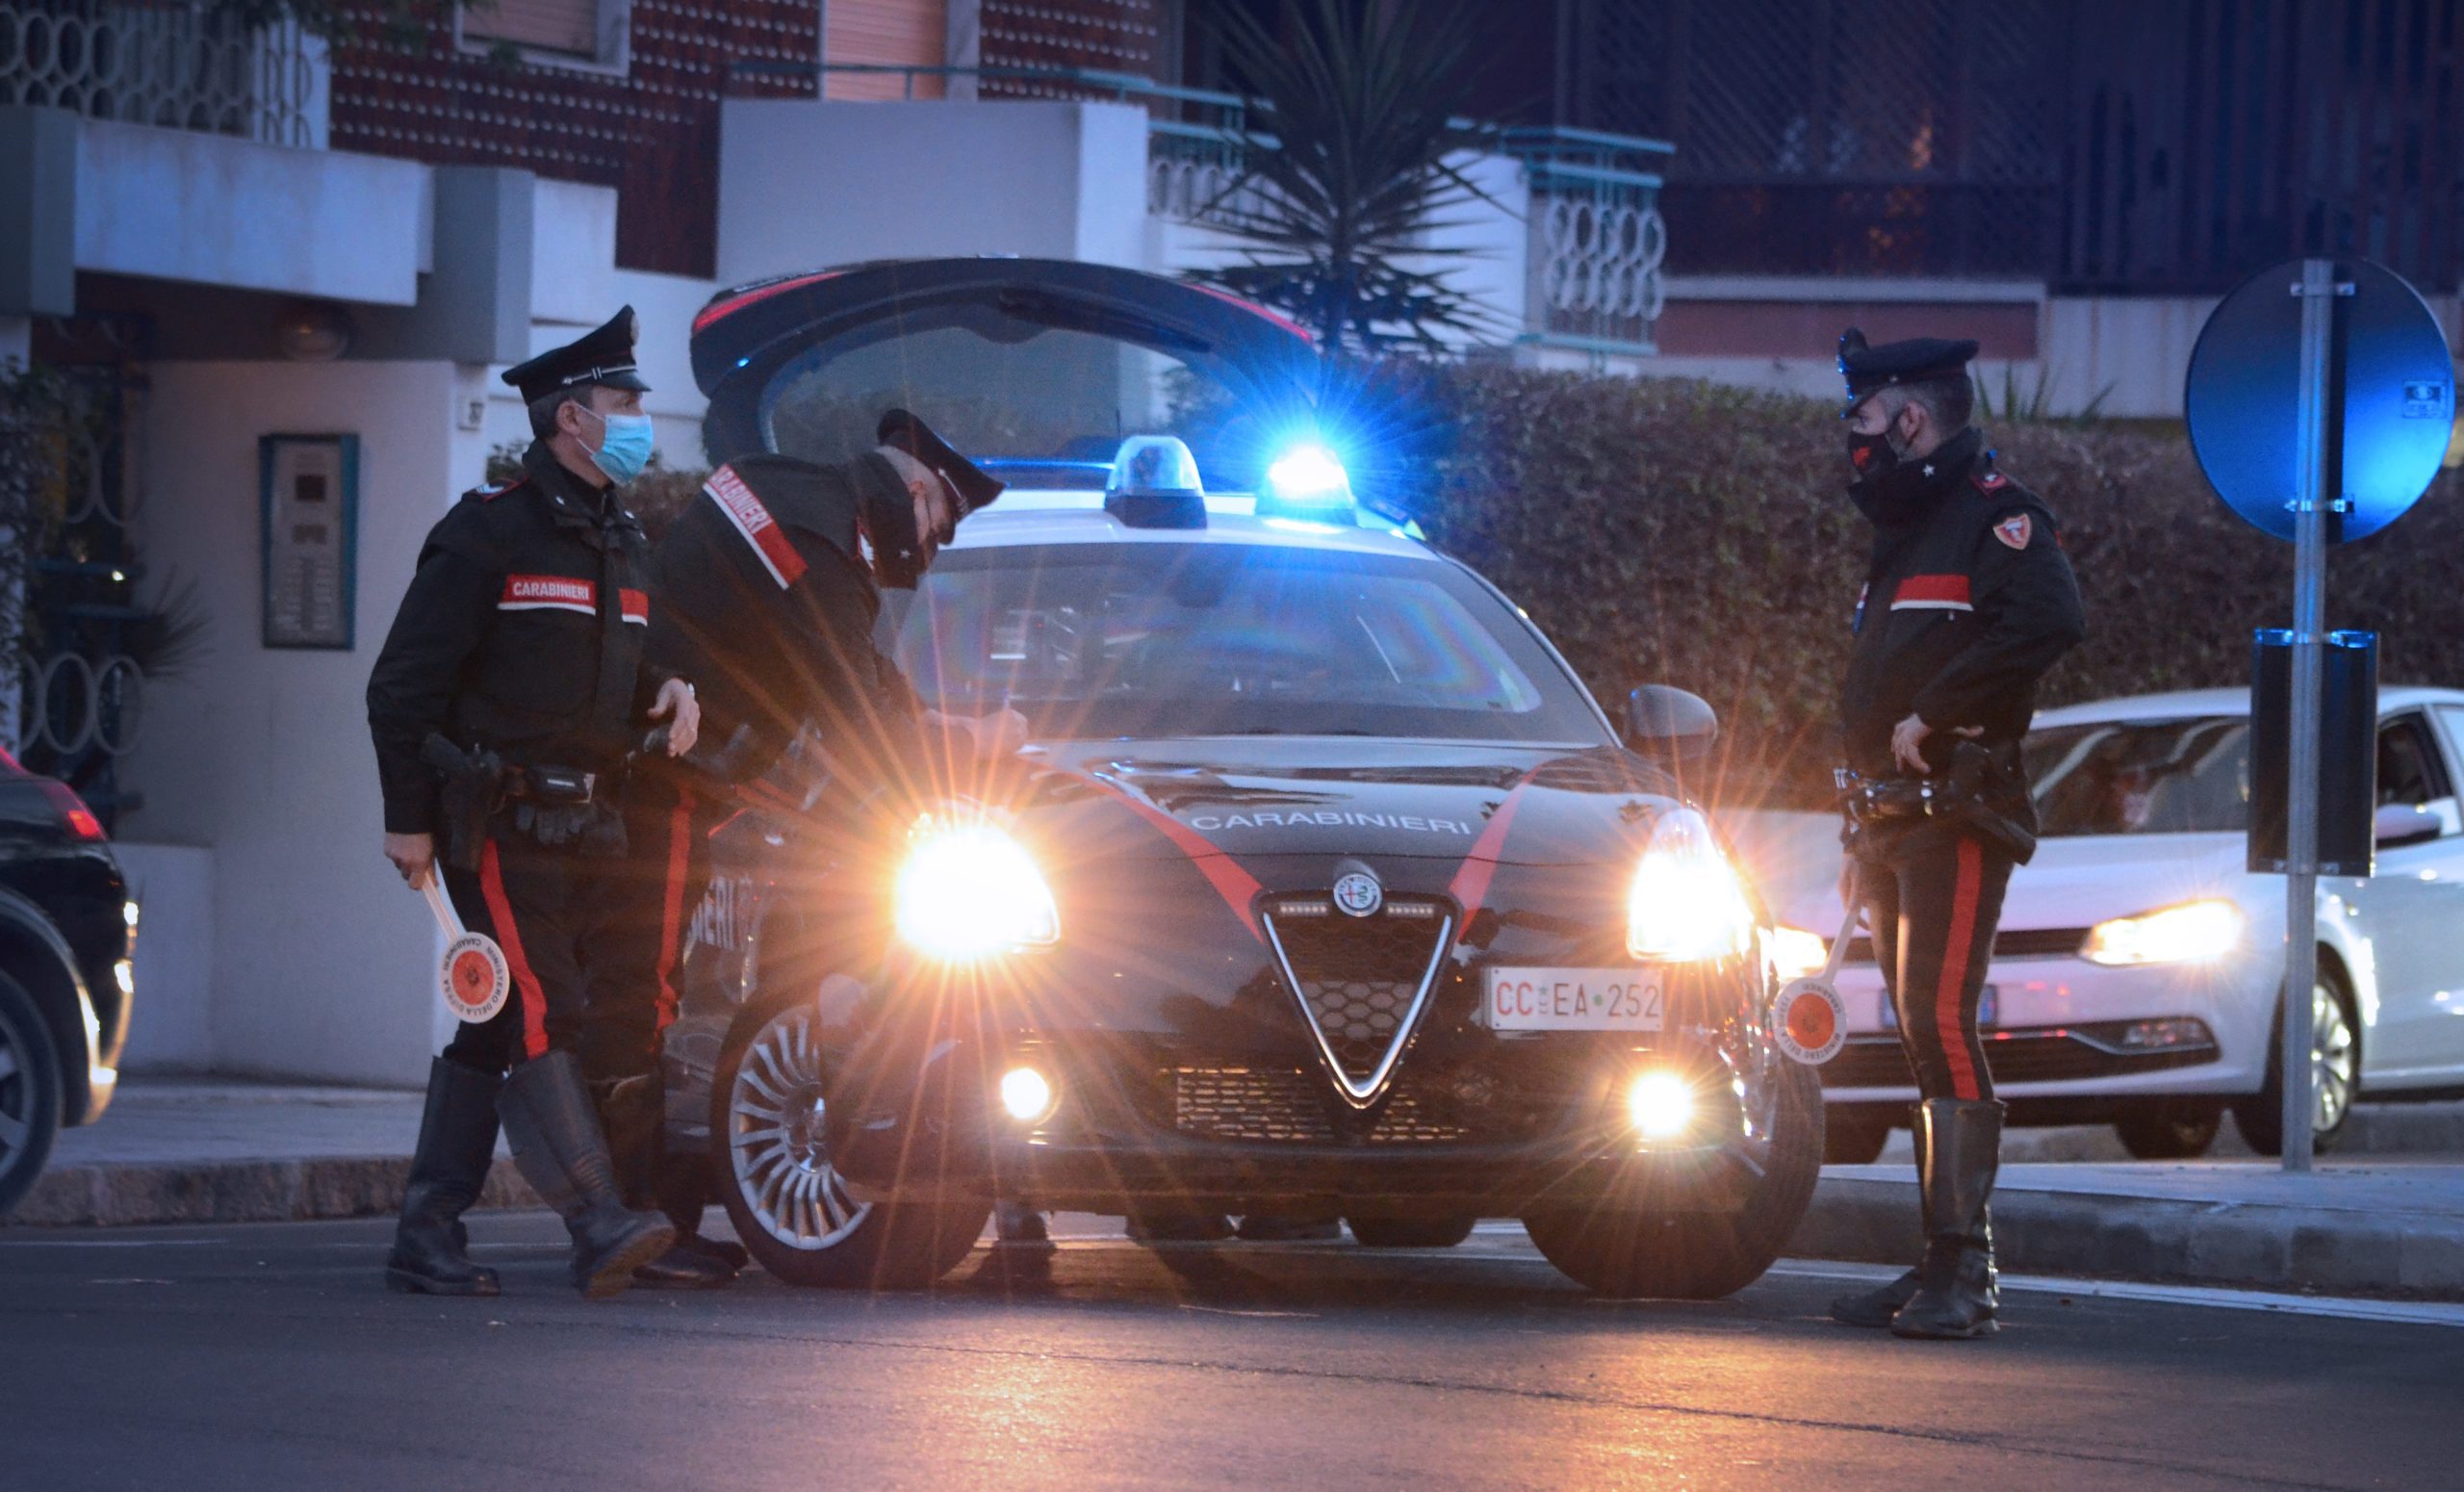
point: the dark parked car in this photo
(1323, 888)
(67, 928)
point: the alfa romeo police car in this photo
(1324, 887)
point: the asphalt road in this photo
(269, 1356)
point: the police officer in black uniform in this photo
(1967, 601)
(766, 591)
(507, 700)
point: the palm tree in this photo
(1361, 105)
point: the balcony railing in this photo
(1595, 243)
(1597, 238)
(171, 65)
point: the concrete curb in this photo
(2205, 1242)
(287, 1191)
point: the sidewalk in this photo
(218, 1150)
(226, 1151)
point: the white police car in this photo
(1323, 888)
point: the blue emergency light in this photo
(1308, 484)
(1154, 484)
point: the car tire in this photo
(1698, 1256)
(31, 1093)
(2169, 1130)
(1850, 1138)
(791, 1209)
(1411, 1232)
(2336, 1043)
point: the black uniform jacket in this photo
(1968, 600)
(524, 632)
(762, 598)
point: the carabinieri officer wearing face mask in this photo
(1967, 601)
(504, 705)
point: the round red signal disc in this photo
(475, 977)
(1811, 1021)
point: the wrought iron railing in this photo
(173, 65)
(1597, 238)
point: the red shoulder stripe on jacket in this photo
(1933, 593)
(754, 522)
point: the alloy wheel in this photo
(776, 1141)
(17, 1094)
(2335, 1059)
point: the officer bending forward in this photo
(507, 699)
(1967, 601)
(766, 589)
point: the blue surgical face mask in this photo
(626, 446)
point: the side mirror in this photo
(2398, 824)
(1669, 724)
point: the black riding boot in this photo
(1957, 1294)
(633, 1111)
(557, 1142)
(1877, 1307)
(457, 1140)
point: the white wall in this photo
(172, 1029)
(183, 205)
(322, 964)
(666, 304)
(804, 183)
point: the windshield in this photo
(1210, 638)
(1005, 390)
(2121, 777)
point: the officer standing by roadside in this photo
(506, 701)
(1968, 600)
(765, 590)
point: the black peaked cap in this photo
(605, 356)
(975, 487)
(1918, 360)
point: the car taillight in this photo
(80, 820)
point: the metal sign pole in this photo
(2314, 490)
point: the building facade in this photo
(273, 278)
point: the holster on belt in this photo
(550, 805)
(1962, 797)
(474, 789)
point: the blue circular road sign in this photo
(2396, 408)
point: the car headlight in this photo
(1686, 903)
(968, 890)
(2198, 932)
(1797, 953)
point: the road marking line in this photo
(2423, 1313)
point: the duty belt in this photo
(1868, 800)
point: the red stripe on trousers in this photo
(1955, 952)
(671, 922)
(534, 1000)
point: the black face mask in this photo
(887, 512)
(1874, 456)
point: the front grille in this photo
(2026, 942)
(1359, 978)
(1288, 1106)
(2055, 1055)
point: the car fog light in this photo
(2175, 1030)
(1661, 1104)
(1026, 1094)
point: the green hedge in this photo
(1690, 533)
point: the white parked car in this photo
(2137, 970)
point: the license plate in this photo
(1574, 999)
